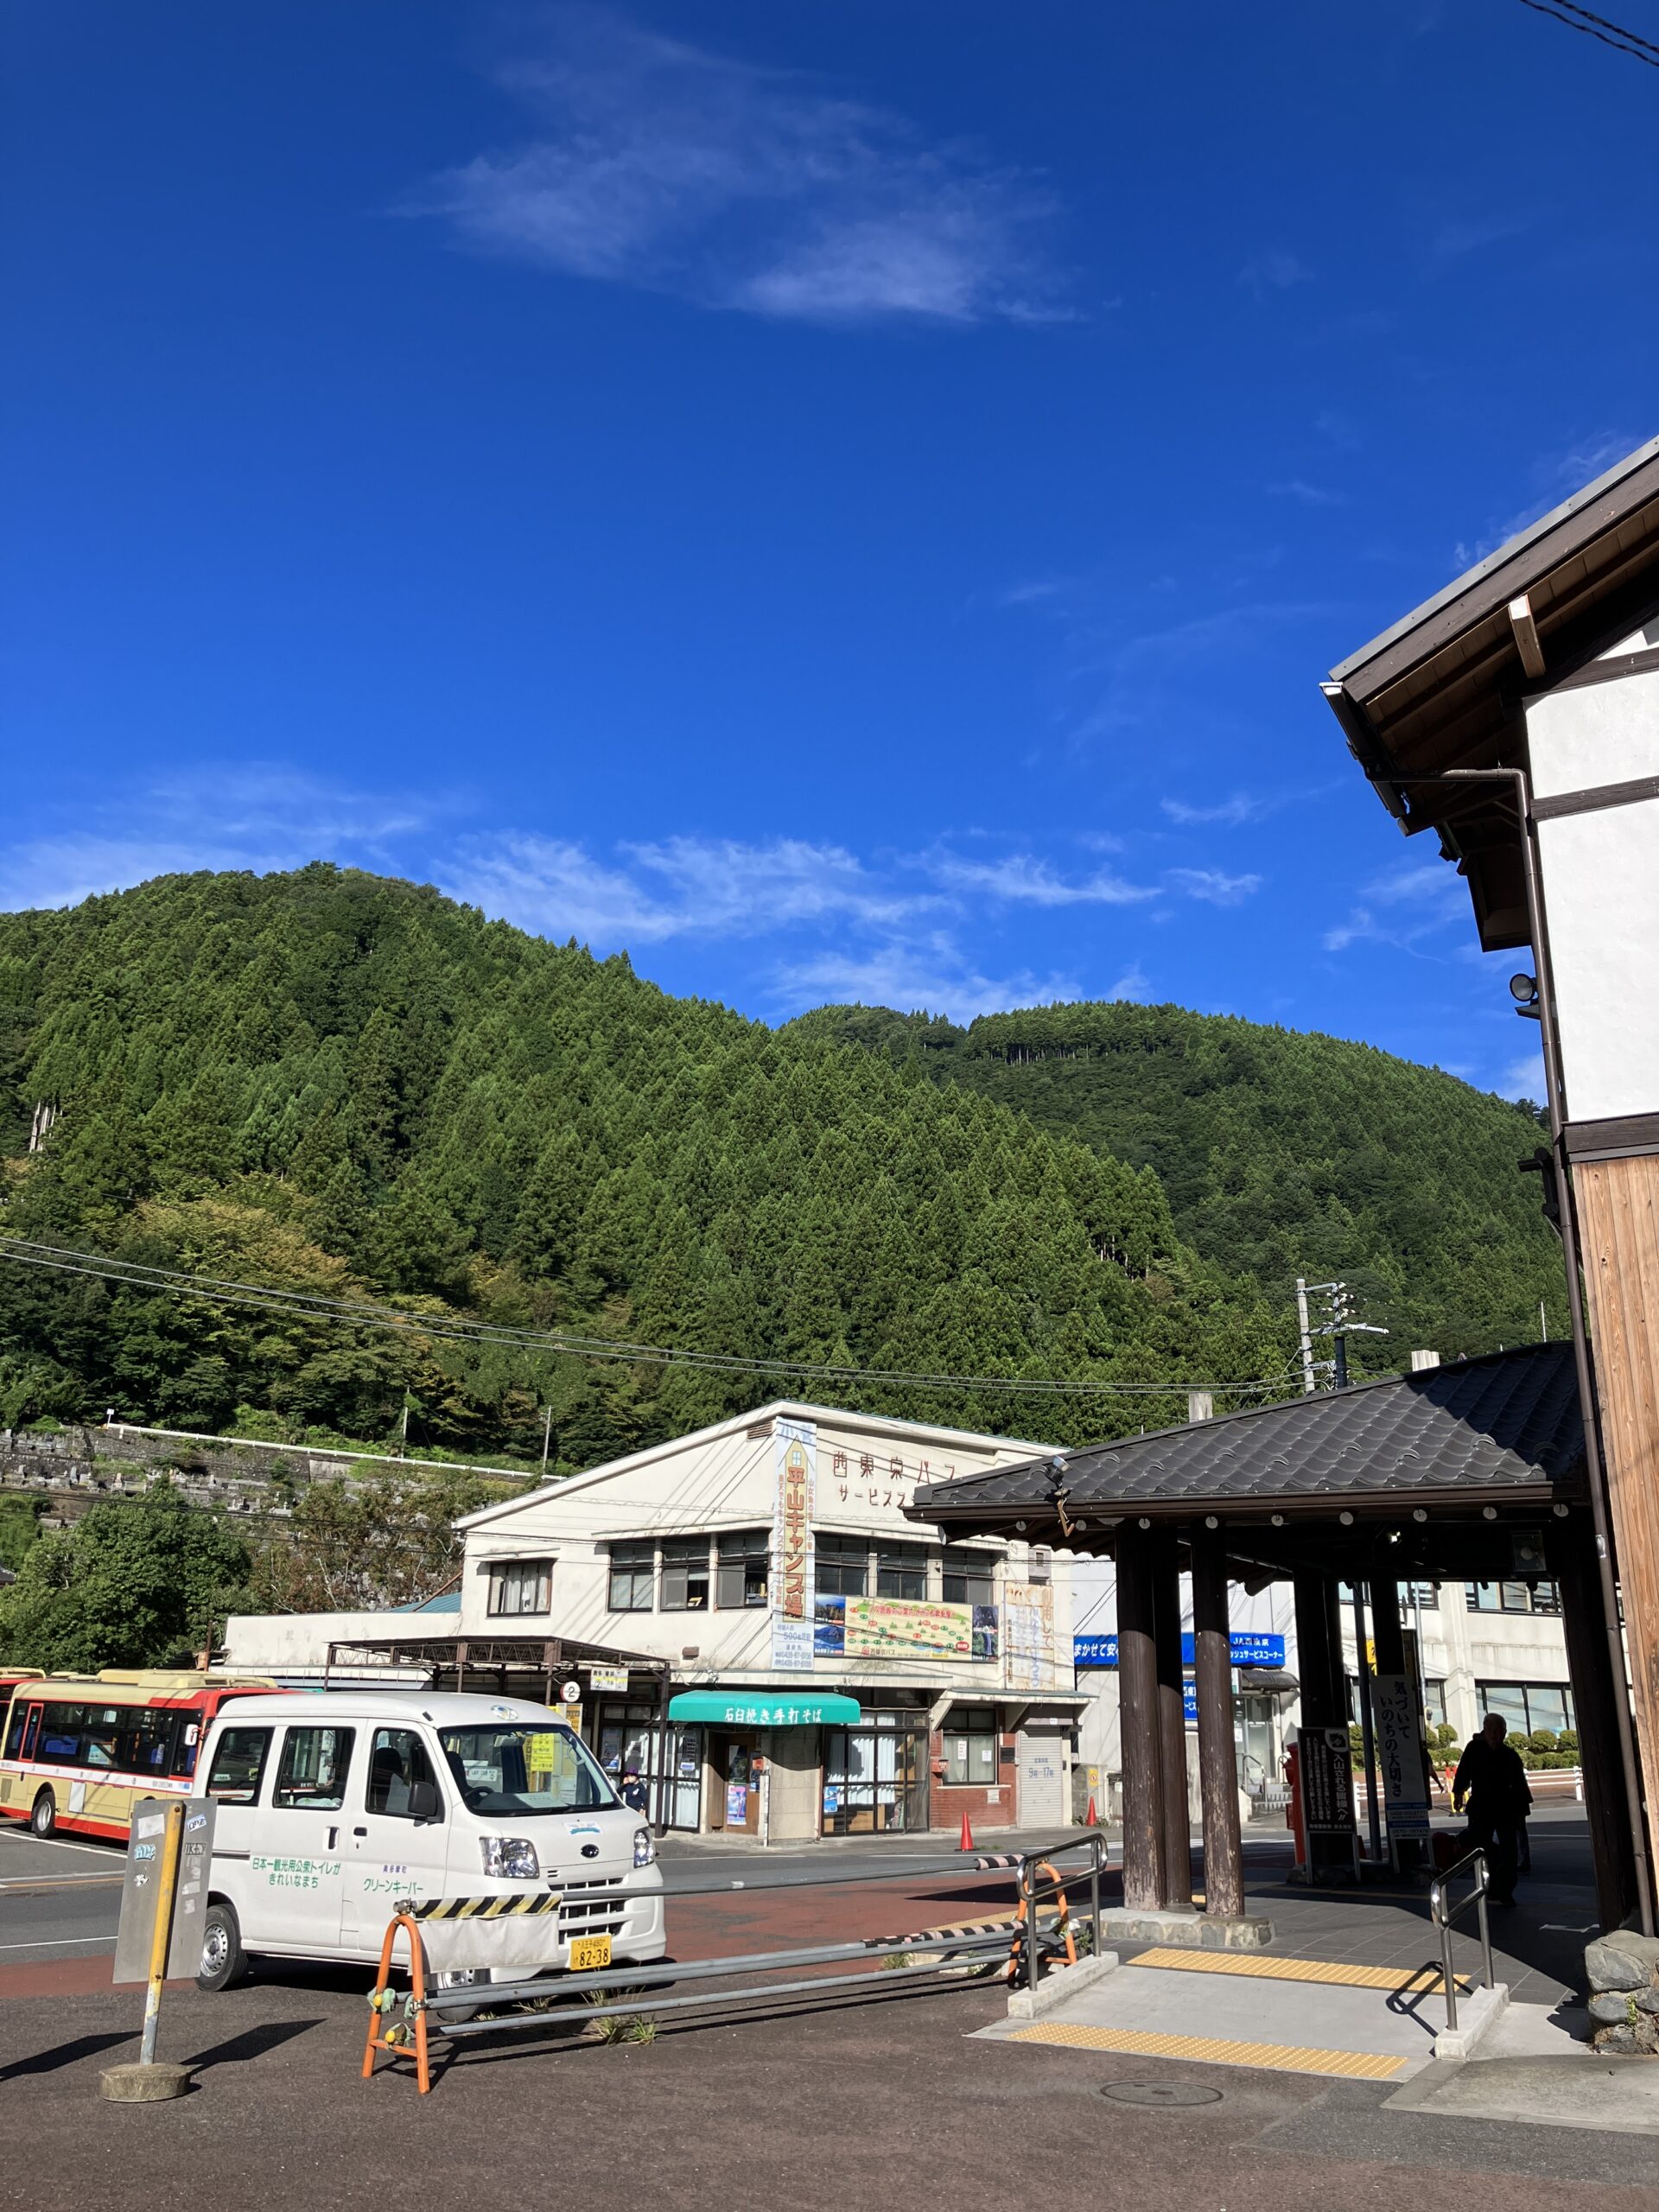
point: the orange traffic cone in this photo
(1091, 1819)
(967, 1843)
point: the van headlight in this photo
(643, 1849)
(510, 1858)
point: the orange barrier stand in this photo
(394, 2037)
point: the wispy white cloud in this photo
(662, 165)
(1274, 270)
(1306, 495)
(252, 816)
(1022, 879)
(1524, 1077)
(1555, 477)
(1241, 807)
(1133, 983)
(683, 886)
(1403, 908)
(1455, 239)
(1211, 886)
(933, 973)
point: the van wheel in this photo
(44, 1818)
(224, 1961)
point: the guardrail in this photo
(624, 1990)
(1444, 1915)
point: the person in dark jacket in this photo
(1492, 1783)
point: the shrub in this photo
(1543, 1740)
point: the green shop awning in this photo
(746, 1709)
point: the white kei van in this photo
(332, 1806)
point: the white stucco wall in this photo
(1600, 879)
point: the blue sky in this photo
(844, 501)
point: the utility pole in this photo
(547, 1436)
(1306, 1336)
(1339, 1327)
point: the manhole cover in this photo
(1160, 2093)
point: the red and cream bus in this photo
(78, 1749)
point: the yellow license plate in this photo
(589, 1953)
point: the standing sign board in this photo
(141, 1882)
(1326, 1772)
(1399, 1750)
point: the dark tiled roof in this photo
(1509, 1421)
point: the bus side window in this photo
(187, 1744)
(15, 1733)
(31, 1733)
(238, 1762)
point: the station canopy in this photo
(1456, 1471)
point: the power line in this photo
(454, 1328)
(1598, 28)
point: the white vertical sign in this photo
(794, 1477)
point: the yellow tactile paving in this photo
(1277, 2057)
(1325, 1970)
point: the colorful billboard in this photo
(902, 1627)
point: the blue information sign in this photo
(1249, 1647)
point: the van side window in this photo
(238, 1762)
(401, 1780)
(311, 1778)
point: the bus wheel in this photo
(44, 1818)
(224, 1961)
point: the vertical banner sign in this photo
(1028, 1636)
(795, 1467)
(1324, 1766)
(1400, 1752)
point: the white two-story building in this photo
(768, 1560)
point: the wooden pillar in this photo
(1223, 1863)
(1137, 1715)
(1319, 1651)
(1573, 1563)
(1319, 1667)
(1618, 1234)
(1172, 1722)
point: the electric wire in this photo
(1598, 28)
(455, 1328)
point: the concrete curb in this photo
(1478, 2015)
(1057, 1985)
(1196, 1931)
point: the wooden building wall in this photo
(1619, 1221)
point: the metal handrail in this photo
(629, 1985)
(1442, 1916)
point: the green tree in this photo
(133, 1583)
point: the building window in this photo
(633, 1569)
(1434, 1704)
(1419, 1597)
(686, 1574)
(971, 1741)
(1512, 1597)
(521, 1586)
(741, 1561)
(970, 1576)
(901, 1570)
(1528, 1705)
(842, 1566)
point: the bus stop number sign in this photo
(142, 1882)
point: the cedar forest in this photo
(341, 1085)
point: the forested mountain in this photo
(350, 1086)
(1281, 1153)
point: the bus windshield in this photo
(524, 1771)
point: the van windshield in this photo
(520, 1770)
